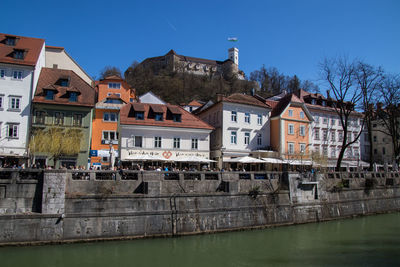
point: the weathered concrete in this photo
(80, 206)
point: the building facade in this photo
(62, 103)
(113, 93)
(242, 127)
(164, 132)
(21, 60)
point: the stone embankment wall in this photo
(101, 205)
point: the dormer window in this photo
(11, 40)
(19, 54)
(64, 82)
(49, 94)
(73, 97)
(313, 102)
(158, 116)
(176, 117)
(324, 103)
(139, 115)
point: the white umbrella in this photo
(273, 160)
(143, 157)
(245, 159)
(193, 159)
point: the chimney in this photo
(328, 95)
(219, 97)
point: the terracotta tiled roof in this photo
(49, 78)
(55, 47)
(31, 47)
(188, 120)
(279, 106)
(245, 99)
(195, 103)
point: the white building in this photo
(151, 98)
(163, 132)
(327, 132)
(242, 127)
(21, 60)
(58, 58)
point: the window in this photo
(246, 138)
(316, 133)
(291, 129)
(139, 115)
(63, 82)
(58, 118)
(333, 136)
(374, 138)
(12, 131)
(348, 137)
(290, 113)
(19, 53)
(10, 40)
(247, 117)
(40, 117)
(375, 151)
(333, 121)
(49, 94)
(325, 121)
(302, 114)
(366, 137)
(195, 143)
(355, 135)
(340, 137)
(17, 74)
(114, 85)
(233, 137)
(259, 139)
(176, 117)
(290, 148)
(324, 103)
(383, 150)
(110, 116)
(1, 102)
(116, 94)
(325, 151)
(15, 103)
(316, 120)
(302, 148)
(325, 135)
(73, 97)
(313, 102)
(157, 141)
(138, 141)
(190, 109)
(356, 152)
(177, 142)
(302, 130)
(109, 136)
(259, 119)
(158, 117)
(349, 152)
(2, 73)
(333, 152)
(131, 99)
(77, 120)
(234, 116)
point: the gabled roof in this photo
(245, 99)
(280, 105)
(31, 46)
(48, 81)
(188, 120)
(194, 103)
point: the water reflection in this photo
(367, 241)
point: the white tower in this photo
(233, 54)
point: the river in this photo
(363, 241)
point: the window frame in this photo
(3, 73)
(259, 139)
(19, 76)
(247, 138)
(14, 126)
(177, 143)
(290, 112)
(302, 131)
(157, 142)
(247, 117)
(259, 119)
(233, 137)
(302, 114)
(109, 114)
(17, 103)
(113, 85)
(233, 116)
(290, 148)
(291, 128)
(57, 120)
(195, 144)
(77, 117)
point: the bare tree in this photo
(369, 80)
(340, 74)
(110, 71)
(389, 116)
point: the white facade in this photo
(327, 134)
(239, 129)
(163, 142)
(17, 87)
(233, 54)
(151, 98)
(57, 57)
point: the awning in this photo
(298, 162)
(193, 159)
(273, 160)
(144, 157)
(245, 159)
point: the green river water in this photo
(363, 241)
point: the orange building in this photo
(112, 94)
(290, 127)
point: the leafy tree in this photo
(56, 142)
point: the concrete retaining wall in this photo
(102, 209)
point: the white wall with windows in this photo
(168, 142)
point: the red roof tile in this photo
(188, 120)
(49, 78)
(31, 46)
(245, 99)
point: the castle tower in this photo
(233, 54)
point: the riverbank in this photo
(94, 206)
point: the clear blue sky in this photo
(293, 36)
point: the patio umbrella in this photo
(193, 159)
(245, 159)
